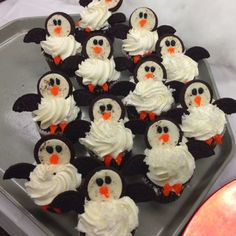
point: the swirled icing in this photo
(150, 96)
(97, 71)
(203, 122)
(108, 137)
(54, 110)
(47, 181)
(61, 46)
(140, 42)
(168, 164)
(95, 16)
(110, 217)
(180, 67)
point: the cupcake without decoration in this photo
(53, 173)
(106, 206)
(54, 106)
(57, 40)
(168, 163)
(202, 118)
(106, 137)
(180, 65)
(140, 37)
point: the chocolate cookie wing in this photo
(119, 31)
(19, 171)
(70, 64)
(197, 53)
(117, 18)
(28, 102)
(35, 35)
(123, 63)
(227, 105)
(177, 87)
(76, 129)
(69, 201)
(83, 97)
(136, 126)
(122, 88)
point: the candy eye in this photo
(58, 148)
(51, 82)
(100, 42)
(159, 130)
(140, 15)
(58, 81)
(146, 68)
(200, 90)
(173, 43)
(165, 129)
(107, 179)
(109, 107)
(95, 42)
(49, 149)
(194, 92)
(59, 22)
(102, 108)
(167, 42)
(153, 69)
(99, 182)
(55, 22)
(145, 15)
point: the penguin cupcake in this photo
(203, 118)
(168, 163)
(140, 37)
(180, 65)
(106, 137)
(57, 40)
(54, 106)
(52, 174)
(96, 68)
(98, 15)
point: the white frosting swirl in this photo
(108, 137)
(168, 164)
(47, 181)
(54, 110)
(95, 16)
(61, 46)
(203, 122)
(180, 67)
(140, 42)
(97, 71)
(150, 96)
(111, 217)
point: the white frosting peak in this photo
(47, 181)
(180, 67)
(54, 110)
(140, 42)
(95, 16)
(150, 96)
(97, 71)
(168, 164)
(61, 46)
(203, 122)
(108, 137)
(111, 217)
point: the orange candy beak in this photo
(165, 137)
(97, 50)
(104, 191)
(149, 75)
(57, 30)
(198, 100)
(106, 115)
(171, 50)
(143, 22)
(54, 90)
(54, 159)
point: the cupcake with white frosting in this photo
(54, 106)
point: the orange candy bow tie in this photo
(177, 188)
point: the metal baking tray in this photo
(21, 65)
